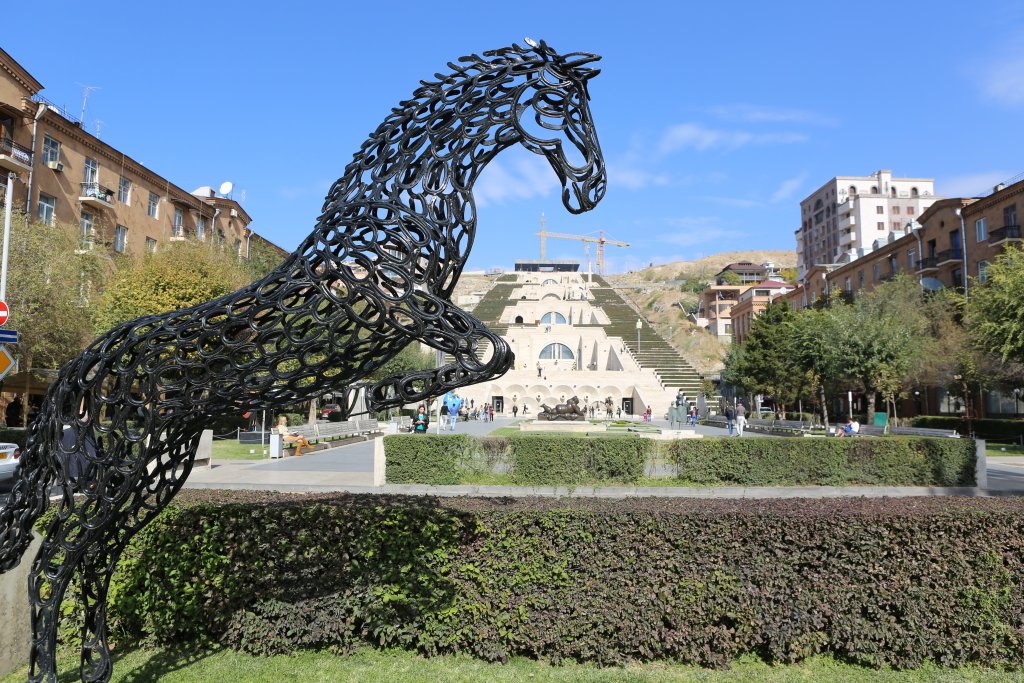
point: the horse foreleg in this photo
(95, 569)
(458, 334)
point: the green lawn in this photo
(371, 666)
(230, 449)
(1003, 449)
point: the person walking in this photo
(515, 411)
(453, 402)
(729, 416)
(490, 413)
(741, 418)
(693, 415)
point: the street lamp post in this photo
(639, 324)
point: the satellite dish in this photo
(932, 284)
(226, 187)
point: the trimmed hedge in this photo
(532, 460)
(893, 461)
(874, 582)
(425, 458)
(986, 428)
(550, 460)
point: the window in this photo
(910, 211)
(892, 191)
(879, 210)
(881, 225)
(87, 224)
(982, 271)
(124, 190)
(913, 192)
(549, 281)
(51, 150)
(911, 259)
(1010, 215)
(958, 278)
(150, 245)
(877, 271)
(238, 248)
(556, 352)
(853, 190)
(91, 173)
(47, 204)
(553, 318)
(846, 285)
(893, 265)
(896, 210)
(980, 230)
(154, 203)
(176, 226)
(219, 237)
(874, 189)
(860, 279)
(201, 228)
(120, 239)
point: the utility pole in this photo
(8, 206)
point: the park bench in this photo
(405, 423)
(924, 431)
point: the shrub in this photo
(876, 582)
(895, 461)
(985, 428)
(425, 458)
(572, 460)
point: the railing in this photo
(949, 255)
(928, 263)
(63, 111)
(96, 191)
(13, 149)
(1007, 232)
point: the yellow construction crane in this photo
(600, 240)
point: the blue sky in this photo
(715, 118)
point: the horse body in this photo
(374, 275)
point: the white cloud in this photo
(970, 185)
(702, 138)
(761, 114)
(633, 178)
(787, 188)
(1003, 80)
(519, 175)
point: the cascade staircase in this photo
(654, 352)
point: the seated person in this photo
(289, 436)
(847, 430)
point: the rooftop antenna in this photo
(98, 125)
(225, 188)
(86, 89)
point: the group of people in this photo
(737, 415)
(852, 428)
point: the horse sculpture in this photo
(375, 274)
(570, 410)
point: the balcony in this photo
(847, 222)
(94, 194)
(1006, 233)
(14, 157)
(846, 238)
(949, 256)
(927, 263)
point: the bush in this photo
(986, 428)
(542, 460)
(425, 458)
(13, 435)
(892, 461)
(335, 416)
(876, 582)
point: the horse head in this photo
(552, 118)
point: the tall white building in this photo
(848, 214)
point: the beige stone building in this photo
(848, 214)
(66, 174)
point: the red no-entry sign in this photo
(5, 312)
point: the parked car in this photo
(326, 411)
(8, 463)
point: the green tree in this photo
(179, 275)
(883, 333)
(51, 287)
(995, 311)
(817, 347)
(729, 278)
(766, 363)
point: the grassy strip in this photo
(230, 449)
(376, 666)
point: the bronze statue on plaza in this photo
(566, 412)
(120, 427)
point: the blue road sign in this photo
(8, 336)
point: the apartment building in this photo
(66, 174)
(714, 310)
(747, 272)
(848, 214)
(752, 302)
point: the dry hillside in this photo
(657, 292)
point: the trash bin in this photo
(275, 446)
(393, 427)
